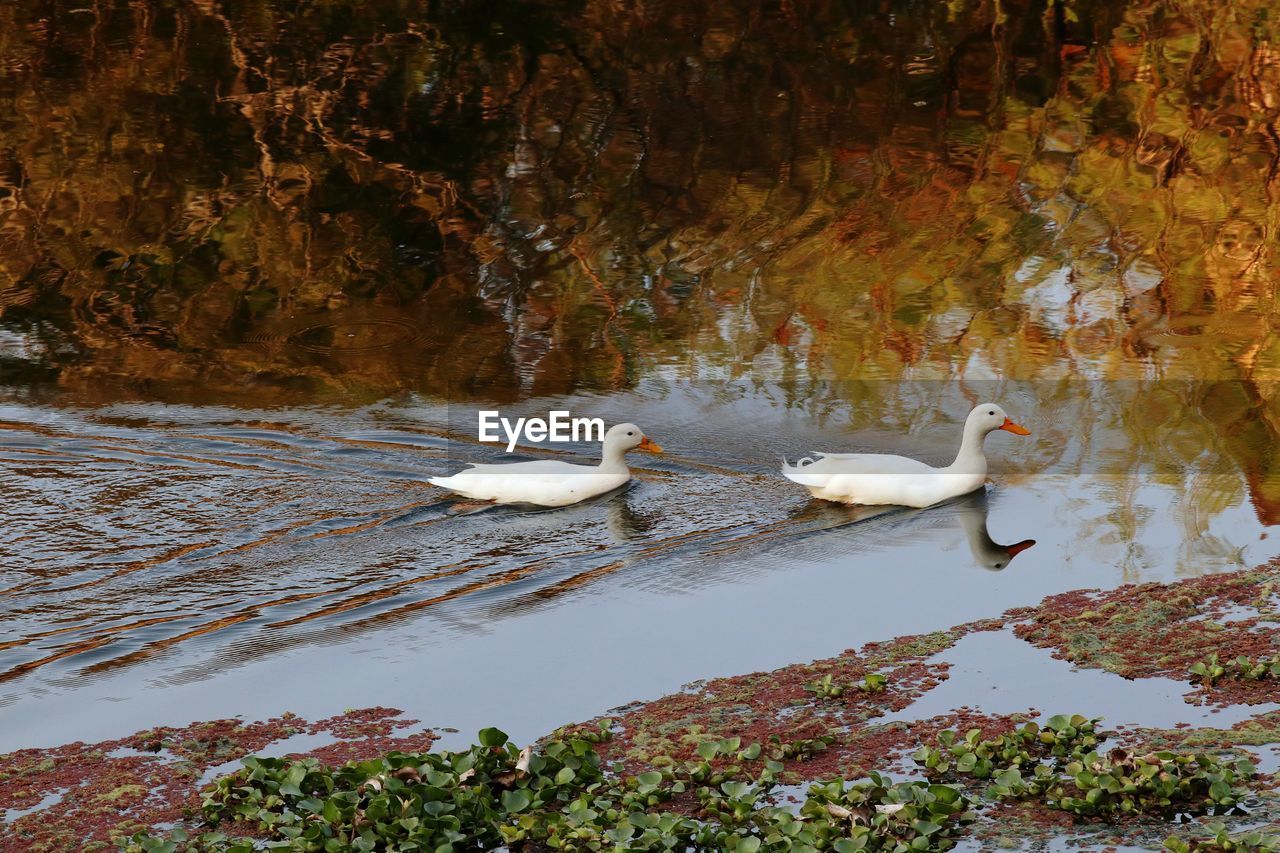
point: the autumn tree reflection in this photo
(226, 201)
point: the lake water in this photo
(257, 276)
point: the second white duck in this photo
(881, 478)
(550, 482)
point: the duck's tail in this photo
(453, 481)
(799, 472)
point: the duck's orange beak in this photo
(1014, 428)
(649, 445)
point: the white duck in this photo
(877, 478)
(550, 482)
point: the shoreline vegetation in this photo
(254, 252)
(793, 759)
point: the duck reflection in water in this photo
(971, 511)
(623, 521)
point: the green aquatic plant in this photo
(1211, 669)
(825, 688)
(970, 755)
(723, 796)
(603, 732)
(874, 683)
(1208, 670)
(495, 794)
(798, 750)
(880, 815)
(1059, 765)
(1254, 841)
(1156, 783)
(828, 688)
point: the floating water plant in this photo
(800, 749)
(969, 755)
(827, 688)
(1255, 841)
(1157, 783)
(559, 798)
(1209, 670)
(1059, 765)
(874, 683)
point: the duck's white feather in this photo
(875, 479)
(550, 482)
(546, 482)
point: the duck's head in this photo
(988, 417)
(626, 437)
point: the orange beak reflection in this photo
(1011, 427)
(1015, 550)
(649, 446)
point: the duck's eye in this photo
(991, 412)
(631, 433)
